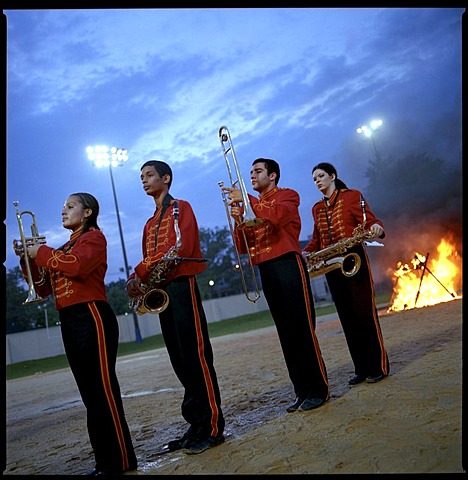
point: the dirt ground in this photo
(409, 423)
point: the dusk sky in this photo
(290, 84)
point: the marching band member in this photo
(183, 321)
(336, 216)
(74, 274)
(274, 247)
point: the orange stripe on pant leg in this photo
(201, 356)
(310, 314)
(105, 377)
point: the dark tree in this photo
(22, 317)
(221, 277)
(118, 298)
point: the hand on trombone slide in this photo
(18, 248)
(234, 195)
(236, 199)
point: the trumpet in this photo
(24, 243)
(249, 218)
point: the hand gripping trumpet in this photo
(331, 258)
(23, 244)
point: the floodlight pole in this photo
(138, 337)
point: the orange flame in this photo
(427, 282)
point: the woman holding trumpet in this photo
(336, 216)
(74, 274)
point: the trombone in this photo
(249, 218)
(32, 297)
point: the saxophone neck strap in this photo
(166, 202)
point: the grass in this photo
(240, 324)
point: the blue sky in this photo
(291, 84)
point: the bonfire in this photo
(427, 281)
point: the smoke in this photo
(419, 200)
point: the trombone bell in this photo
(33, 297)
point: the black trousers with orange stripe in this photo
(287, 290)
(354, 299)
(185, 332)
(90, 335)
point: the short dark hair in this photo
(272, 166)
(161, 167)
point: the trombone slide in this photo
(249, 217)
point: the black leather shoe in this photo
(198, 446)
(294, 406)
(95, 472)
(310, 403)
(355, 379)
(375, 379)
(178, 444)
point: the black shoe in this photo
(198, 446)
(355, 379)
(375, 379)
(294, 406)
(178, 444)
(310, 403)
(96, 472)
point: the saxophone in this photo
(153, 299)
(331, 258)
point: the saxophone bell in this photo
(335, 256)
(349, 265)
(155, 301)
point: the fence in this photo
(47, 342)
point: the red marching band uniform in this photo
(353, 296)
(75, 275)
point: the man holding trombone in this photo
(273, 245)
